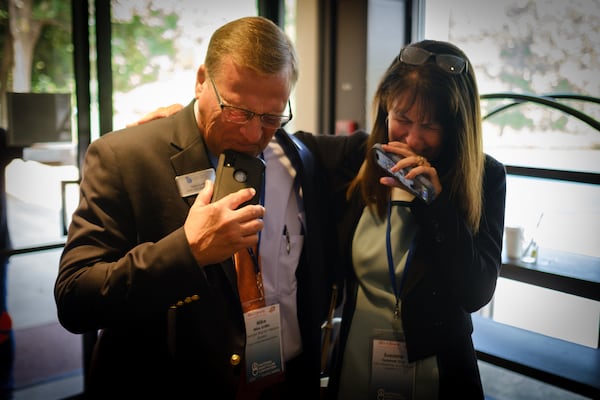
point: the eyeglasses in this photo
(417, 56)
(242, 116)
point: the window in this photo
(538, 47)
(170, 40)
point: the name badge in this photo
(264, 356)
(392, 376)
(192, 183)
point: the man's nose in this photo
(252, 130)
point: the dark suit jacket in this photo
(453, 274)
(127, 261)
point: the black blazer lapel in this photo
(193, 157)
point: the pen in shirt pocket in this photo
(286, 233)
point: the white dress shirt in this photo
(281, 243)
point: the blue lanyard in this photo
(390, 259)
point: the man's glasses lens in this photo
(448, 62)
(273, 121)
(238, 115)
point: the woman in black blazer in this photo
(413, 272)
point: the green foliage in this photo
(516, 81)
(514, 119)
(560, 124)
(52, 67)
(51, 10)
(52, 62)
(136, 46)
(4, 12)
(543, 46)
(564, 85)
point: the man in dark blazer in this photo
(148, 259)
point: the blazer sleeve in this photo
(108, 270)
(468, 263)
(340, 158)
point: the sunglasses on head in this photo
(417, 56)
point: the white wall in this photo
(305, 101)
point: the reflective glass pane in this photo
(157, 47)
(537, 63)
(531, 47)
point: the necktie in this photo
(247, 265)
(249, 279)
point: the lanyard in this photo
(390, 259)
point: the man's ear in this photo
(200, 79)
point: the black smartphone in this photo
(421, 187)
(237, 171)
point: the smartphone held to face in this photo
(237, 171)
(421, 187)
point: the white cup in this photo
(514, 240)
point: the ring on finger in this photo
(421, 160)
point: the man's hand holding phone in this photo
(227, 215)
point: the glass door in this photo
(157, 47)
(38, 160)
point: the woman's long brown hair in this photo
(449, 99)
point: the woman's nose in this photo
(405, 134)
(413, 136)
